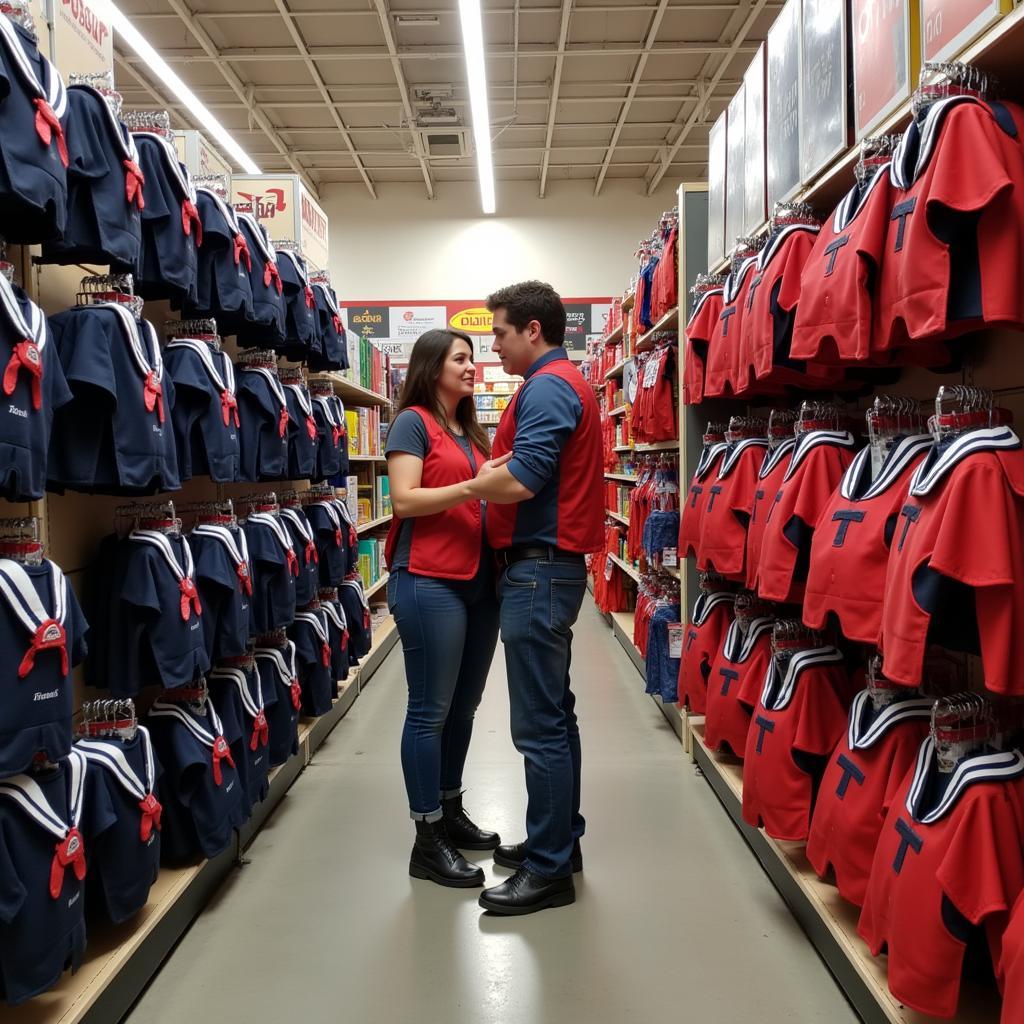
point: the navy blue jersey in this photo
(302, 338)
(42, 632)
(202, 793)
(223, 290)
(105, 187)
(304, 544)
(224, 580)
(332, 442)
(275, 567)
(313, 649)
(156, 629)
(122, 822)
(303, 433)
(337, 628)
(267, 326)
(333, 535)
(333, 350)
(282, 696)
(171, 228)
(34, 387)
(205, 416)
(42, 873)
(238, 694)
(357, 615)
(263, 436)
(34, 154)
(115, 436)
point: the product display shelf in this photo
(829, 921)
(121, 959)
(631, 571)
(623, 448)
(376, 587)
(622, 477)
(367, 458)
(373, 524)
(619, 410)
(350, 392)
(618, 516)
(657, 446)
(616, 371)
(628, 300)
(668, 322)
(615, 336)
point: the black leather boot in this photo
(462, 832)
(433, 857)
(514, 856)
(526, 893)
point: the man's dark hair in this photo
(532, 300)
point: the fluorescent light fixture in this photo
(473, 45)
(158, 66)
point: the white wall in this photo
(404, 247)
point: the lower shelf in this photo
(830, 922)
(120, 960)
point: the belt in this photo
(519, 553)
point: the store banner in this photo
(84, 42)
(288, 211)
(716, 190)
(735, 197)
(313, 230)
(947, 26)
(784, 104)
(885, 58)
(754, 211)
(823, 114)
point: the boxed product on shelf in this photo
(383, 503)
(352, 495)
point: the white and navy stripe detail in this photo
(918, 142)
(739, 646)
(899, 458)
(707, 603)
(936, 467)
(237, 547)
(302, 396)
(775, 243)
(35, 327)
(266, 249)
(28, 795)
(709, 455)
(273, 523)
(855, 200)
(24, 601)
(992, 766)
(331, 414)
(273, 382)
(774, 456)
(227, 212)
(329, 299)
(816, 439)
(299, 264)
(300, 522)
(699, 304)
(173, 165)
(53, 90)
(334, 611)
(779, 687)
(109, 754)
(224, 377)
(125, 142)
(868, 726)
(145, 352)
(160, 541)
(162, 709)
(734, 282)
(732, 456)
(283, 664)
(238, 678)
(317, 620)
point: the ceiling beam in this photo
(321, 85)
(556, 83)
(403, 88)
(625, 147)
(596, 126)
(663, 164)
(634, 84)
(237, 85)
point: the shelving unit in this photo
(625, 566)
(657, 446)
(617, 516)
(615, 373)
(621, 477)
(377, 587)
(669, 321)
(351, 393)
(367, 458)
(374, 524)
(615, 336)
(619, 411)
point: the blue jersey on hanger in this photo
(303, 433)
(302, 336)
(275, 567)
(279, 676)
(263, 436)
(224, 578)
(266, 328)
(333, 350)
(312, 641)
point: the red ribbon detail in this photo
(339, 327)
(189, 599)
(260, 731)
(282, 422)
(221, 752)
(353, 537)
(25, 355)
(310, 300)
(311, 428)
(153, 395)
(134, 181)
(344, 639)
(68, 853)
(48, 128)
(242, 252)
(293, 563)
(325, 655)
(244, 577)
(229, 408)
(190, 216)
(49, 636)
(337, 537)
(270, 273)
(366, 618)
(152, 812)
(296, 694)
(337, 433)
(311, 553)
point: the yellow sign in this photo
(473, 321)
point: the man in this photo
(545, 491)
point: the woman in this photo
(441, 592)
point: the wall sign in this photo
(716, 190)
(823, 113)
(754, 210)
(288, 211)
(784, 104)
(947, 26)
(735, 197)
(84, 42)
(885, 58)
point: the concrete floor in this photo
(674, 919)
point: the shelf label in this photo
(670, 557)
(675, 640)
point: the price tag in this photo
(675, 640)
(670, 557)
(651, 371)
(609, 567)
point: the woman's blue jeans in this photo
(449, 629)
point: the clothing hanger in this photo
(321, 387)
(20, 540)
(963, 407)
(742, 427)
(156, 122)
(275, 638)
(196, 695)
(215, 183)
(749, 607)
(790, 636)
(786, 213)
(116, 719)
(118, 288)
(939, 80)
(147, 515)
(103, 83)
(291, 375)
(20, 12)
(258, 358)
(202, 329)
(881, 690)
(961, 724)
(781, 426)
(265, 502)
(6, 267)
(216, 513)
(320, 277)
(818, 415)
(875, 152)
(714, 433)
(246, 661)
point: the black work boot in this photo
(526, 893)
(462, 832)
(434, 857)
(514, 856)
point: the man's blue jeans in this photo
(449, 629)
(540, 601)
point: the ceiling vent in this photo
(446, 144)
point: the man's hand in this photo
(488, 467)
(494, 482)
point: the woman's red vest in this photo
(446, 544)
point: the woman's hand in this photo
(488, 467)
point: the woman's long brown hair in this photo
(425, 365)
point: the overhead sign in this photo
(823, 115)
(885, 58)
(84, 42)
(754, 212)
(947, 26)
(735, 198)
(716, 190)
(288, 211)
(784, 105)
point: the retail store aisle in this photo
(674, 919)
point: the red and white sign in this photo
(885, 59)
(947, 26)
(84, 41)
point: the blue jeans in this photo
(540, 600)
(449, 629)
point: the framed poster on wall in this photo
(947, 26)
(716, 190)
(754, 211)
(824, 118)
(886, 57)
(784, 104)
(735, 199)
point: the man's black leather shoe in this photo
(514, 856)
(462, 831)
(526, 893)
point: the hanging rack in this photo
(893, 416)
(289, 498)
(820, 415)
(741, 427)
(743, 250)
(275, 638)
(749, 606)
(881, 690)
(321, 387)
(215, 183)
(149, 515)
(156, 122)
(103, 83)
(961, 407)
(961, 724)
(219, 513)
(792, 212)
(202, 329)
(20, 540)
(245, 661)
(706, 283)
(114, 718)
(260, 502)
(119, 288)
(196, 695)
(941, 79)
(781, 425)
(714, 432)
(789, 635)
(291, 375)
(20, 12)
(264, 358)
(875, 151)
